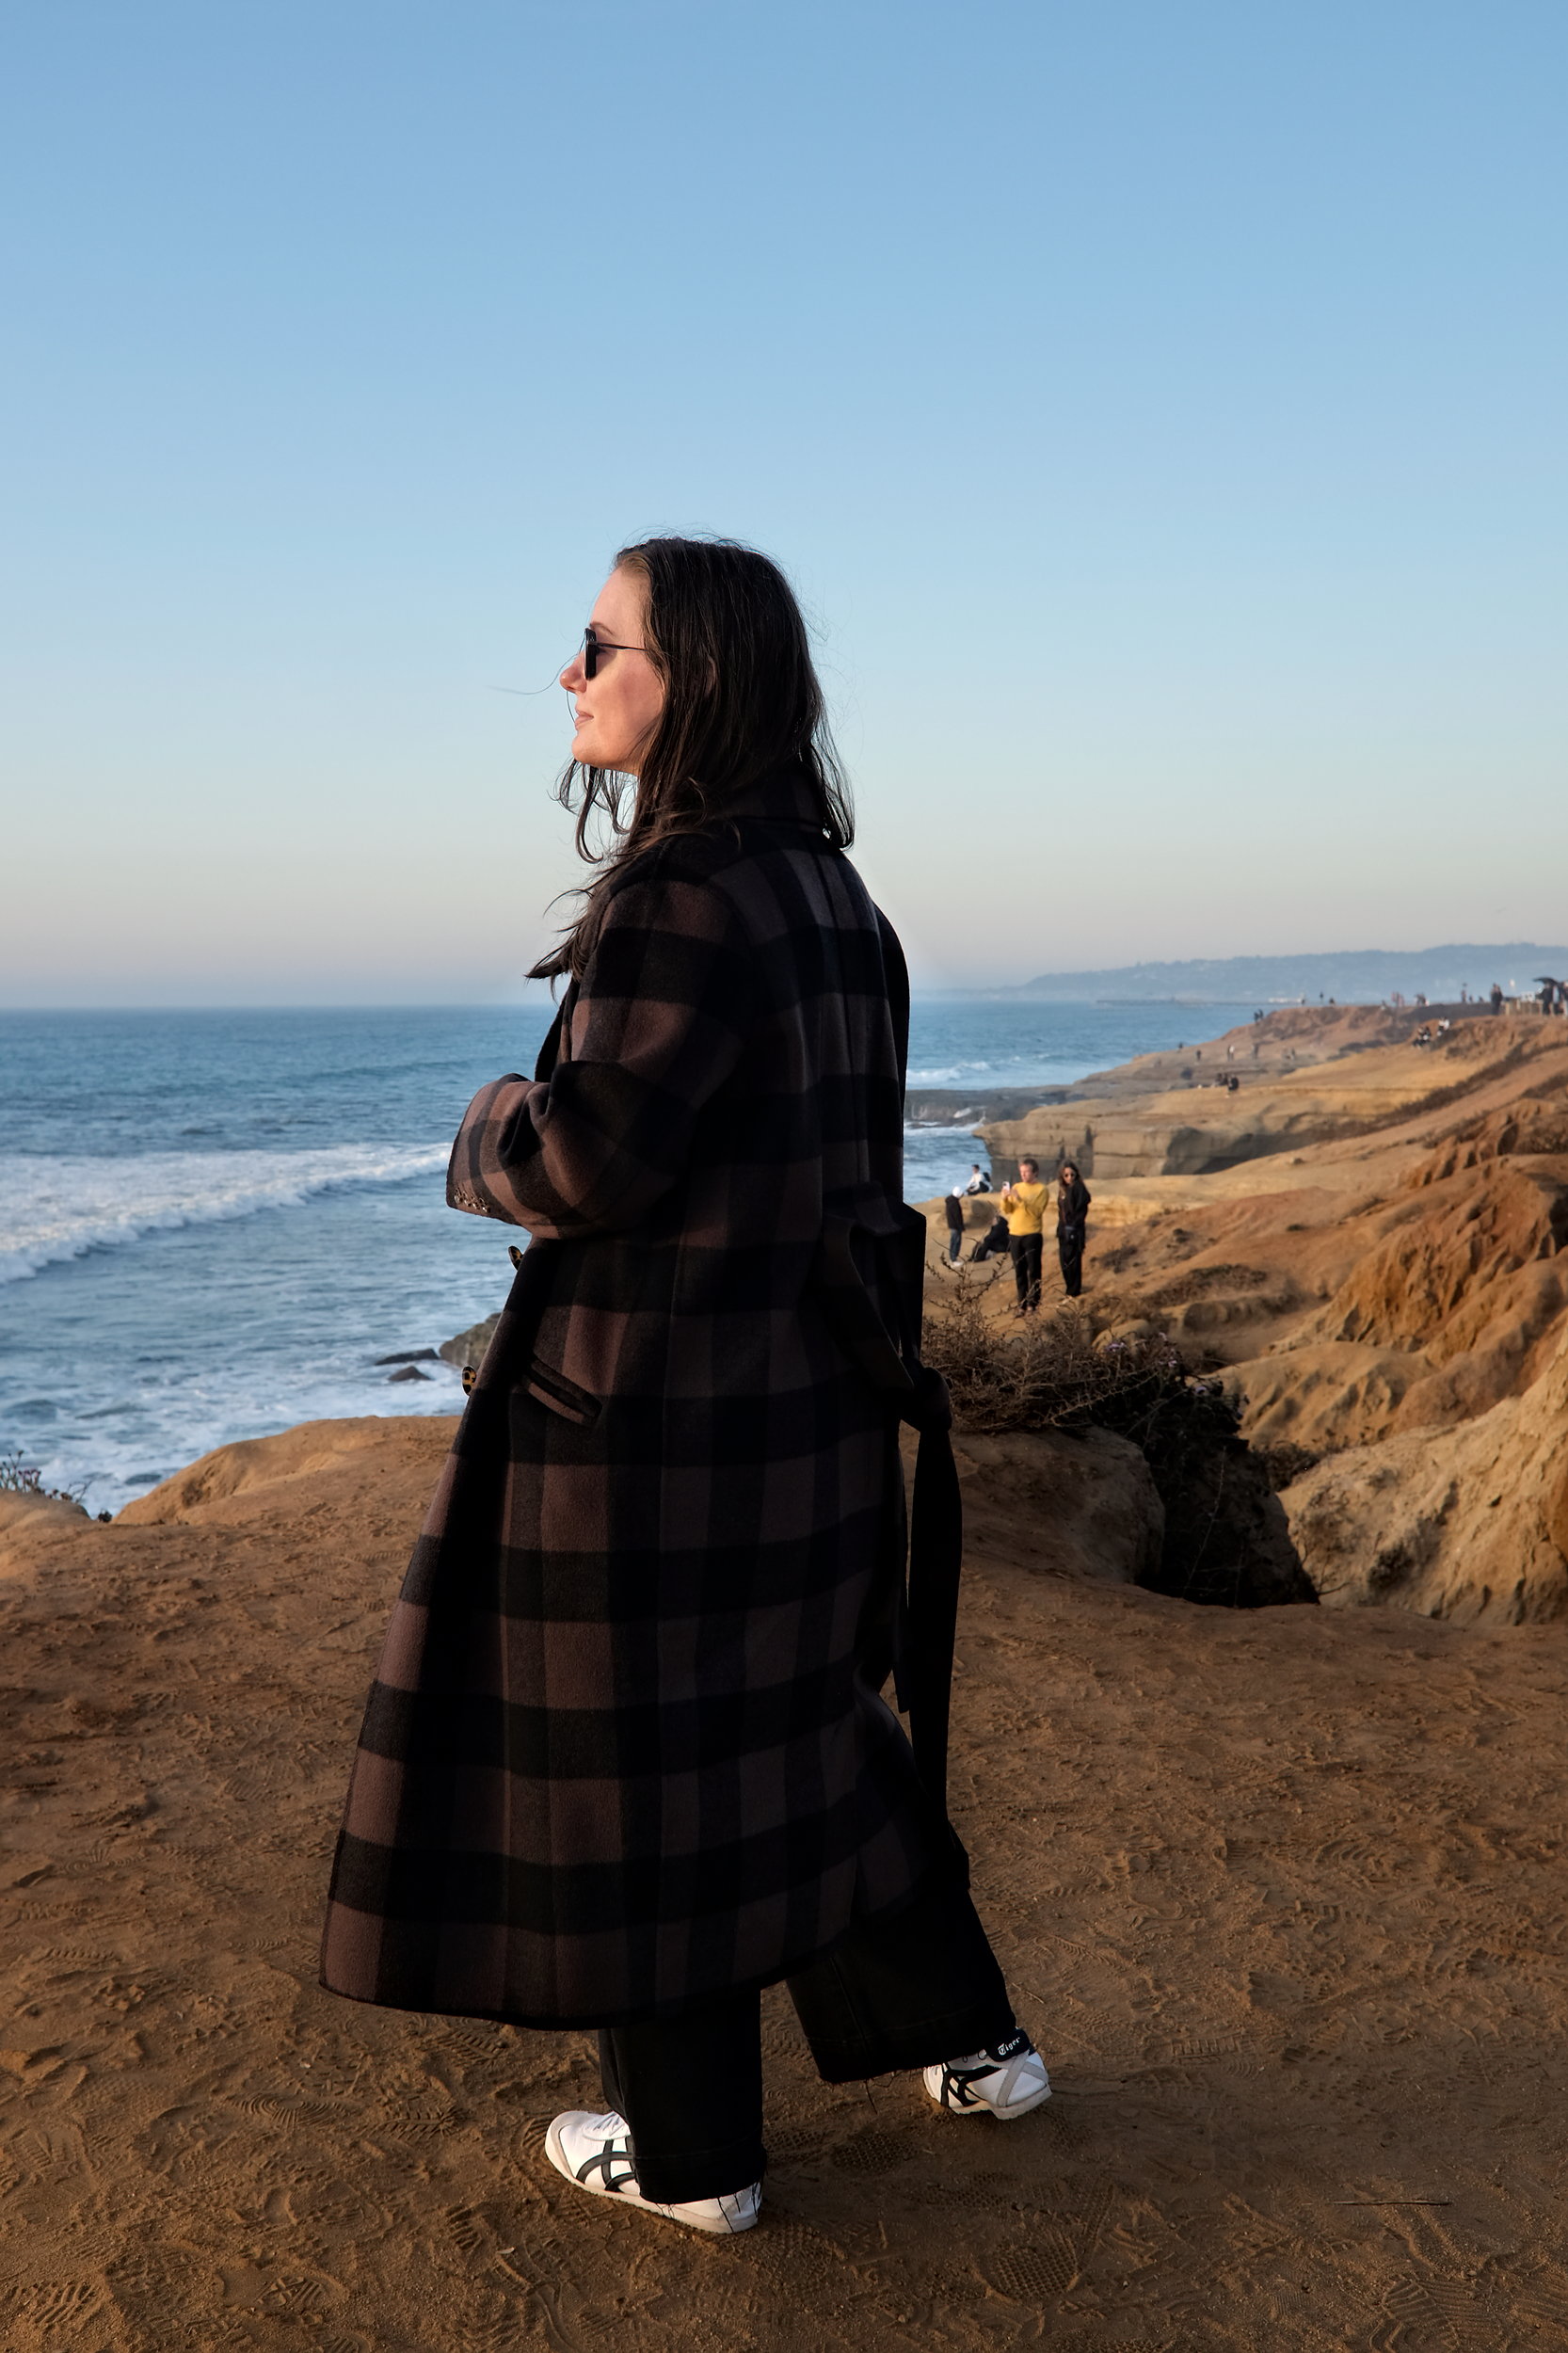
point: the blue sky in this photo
(1160, 409)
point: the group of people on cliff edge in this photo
(1024, 1205)
(1019, 1228)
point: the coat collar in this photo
(786, 797)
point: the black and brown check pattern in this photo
(623, 1749)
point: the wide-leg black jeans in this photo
(901, 1990)
(1026, 1253)
(1069, 1251)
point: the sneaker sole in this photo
(718, 2227)
(1023, 2107)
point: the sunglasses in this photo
(594, 646)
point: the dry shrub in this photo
(1044, 1371)
(19, 1478)
(1226, 1539)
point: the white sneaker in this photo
(595, 2152)
(1007, 2081)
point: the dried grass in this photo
(1044, 1371)
(1225, 1537)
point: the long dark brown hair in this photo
(742, 703)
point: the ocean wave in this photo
(54, 1208)
(111, 1459)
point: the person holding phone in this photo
(1023, 1205)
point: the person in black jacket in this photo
(1072, 1207)
(992, 1244)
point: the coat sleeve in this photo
(655, 1027)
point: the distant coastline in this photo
(1348, 976)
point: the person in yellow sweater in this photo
(1023, 1206)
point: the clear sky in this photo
(1159, 407)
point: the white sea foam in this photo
(54, 1208)
(113, 1454)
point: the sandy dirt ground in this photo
(1281, 1895)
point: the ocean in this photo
(215, 1224)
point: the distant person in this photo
(980, 1180)
(1497, 994)
(1023, 1205)
(1072, 1208)
(992, 1244)
(1233, 1084)
(954, 1208)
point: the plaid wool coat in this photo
(625, 1748)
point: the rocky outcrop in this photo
(468, 1349)
(952, 1107)
(24, 1511)
(1226, 1541)
(1468, 1523)
(1454, 1300)
(205, 1489)
(1061, 1504)
(1201, 1130)
(1332, 1393)
(1464, 1267)
(1345, 1080)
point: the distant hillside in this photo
(1352, 976)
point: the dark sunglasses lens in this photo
(590, 654)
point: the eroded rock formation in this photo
(1380, 1287)
(1468, 1522)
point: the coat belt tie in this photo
(918, 1395)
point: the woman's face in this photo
(618, 710)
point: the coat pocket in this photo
(552, 1389)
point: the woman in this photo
(625, 1761)
(1072, 1207)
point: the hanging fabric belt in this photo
(918, 1395)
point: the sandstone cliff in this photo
(1368, 1252)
